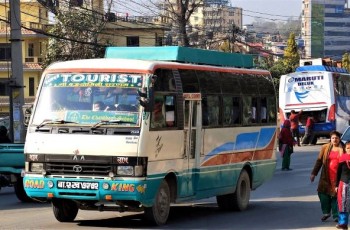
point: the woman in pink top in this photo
(328, 160)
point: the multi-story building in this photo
(214, 19)
(325, 28)
(34, 44)
(120, 30)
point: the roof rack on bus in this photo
(320, 68)
(182, 54)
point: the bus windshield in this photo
(88, 98)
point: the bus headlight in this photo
(37, 167)
(50, 184)
(105, 186)
(138, 170)
(125, 170)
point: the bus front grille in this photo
(78, 169)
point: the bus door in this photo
(192, 132)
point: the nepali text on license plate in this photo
(77, 185)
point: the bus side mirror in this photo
(27, 112)
(146, 97)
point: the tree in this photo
(75, 33)
(291, 56)
(74, 36)
(178, 13)
(225, 46)
(277, 70)
(346, 61)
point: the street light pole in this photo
(17, 131)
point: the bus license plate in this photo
(77, 185)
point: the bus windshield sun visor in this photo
(110, 122)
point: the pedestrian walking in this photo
(342, 187)
(294, 121)
(287, 142)
(327, 161)
(309, 131)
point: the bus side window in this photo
(231, 110)
(164, 114)
(210, 110)
(254, 110)
(271, 110)
(263, 110)
(158, 115)
(247, 110)
(165, 80)
(170, 117)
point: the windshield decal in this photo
(92, 79)
(88, 117)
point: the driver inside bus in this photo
(158, 120)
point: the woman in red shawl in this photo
(328, 161)
(343, 188)
(287, 144)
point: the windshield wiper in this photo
(109, 122)
(51, 122)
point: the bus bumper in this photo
(88, 189)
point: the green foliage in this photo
(346, 61)
(265, 62)
(75, 36)
(277, 70)
(225, 46)
(291, 56)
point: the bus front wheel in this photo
(158, 214)
(239, 200)
(19, 190)
(64, 210)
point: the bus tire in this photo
(64, 210)
(241, 196)
(158, 214)
(19, 190)
(239, 200)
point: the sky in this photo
(268, 9)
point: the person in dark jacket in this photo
(328, 160)
(3, 135)
(287, 144)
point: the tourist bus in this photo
(320, 91)
(123, 134)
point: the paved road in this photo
(288, 201)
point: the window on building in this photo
(30, 50)
(159, 41)
(4, 89)
(133, 41)
(5, 52)
(31, 86)
(76, 3)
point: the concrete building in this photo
(325, 28)
(33, 50)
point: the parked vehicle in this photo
(11, 168)
(133, 135)
(320, 91)
(346, 135)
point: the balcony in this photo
(33, 60)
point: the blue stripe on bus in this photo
(245, 141)
(301, 95)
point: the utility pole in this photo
(17, 131)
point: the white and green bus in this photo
(122, 134)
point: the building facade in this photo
(34, 45)
(325, 28)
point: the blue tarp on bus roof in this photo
(320, 68)
(182, 54)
